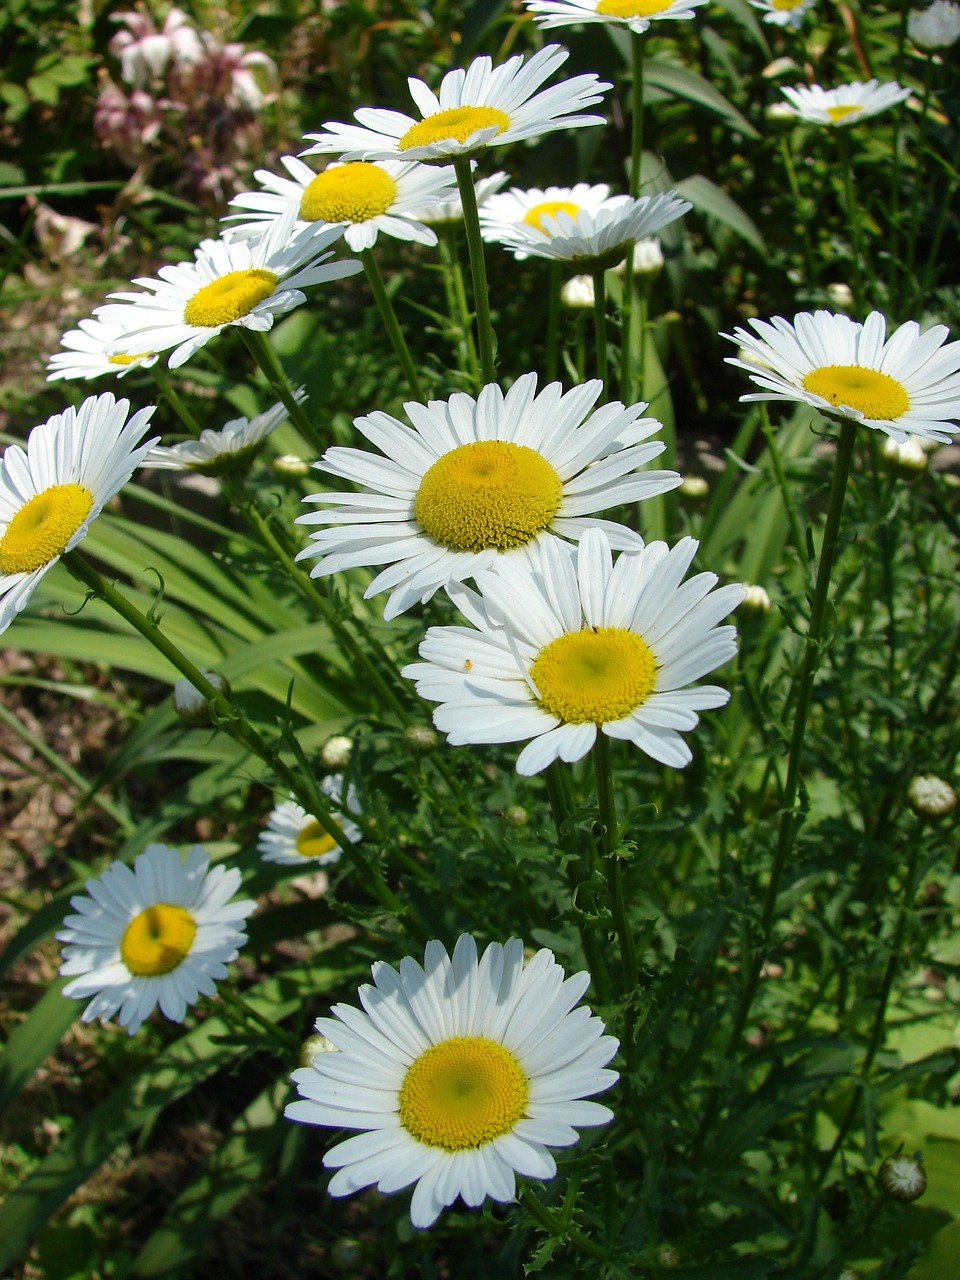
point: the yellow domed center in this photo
(875, 394)
(491, 493)
(549, 209)
(839, 113)
(353, 192)
(632, 8)
(141, 355)
(456, 124)
(157, 940)
(43, 526)
(227, 299)
(314, 840)
(785, 4)
(598, 675)
(462, 1093)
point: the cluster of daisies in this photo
(466, 1070)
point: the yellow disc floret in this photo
(158, 939)
(549, 209)
(313, 840)
(141, 355)
(43, 526)
(230, 297)
(491, 493)
(456, 124)
(785, 4)
(839, 113)
(632, 8)
(462, 1093)
(875, 394)
(598, 675)
(354, 192)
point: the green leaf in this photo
(715, 203)
(34, 1039)
(683, 83)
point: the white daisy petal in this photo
(295, 838)
(845, 105)
(637, 15)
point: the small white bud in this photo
(578, 292)
(903, 1177)
(694, 487)
(935, 28)
(288, 464)
(757, 600)
(647, 257)
(335, 752)
(314, 1045)
(191, 705)
(904, 456)
(931, 796)
(840, 294)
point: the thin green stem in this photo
(557, 1226)
(908, 296)
(798, 204)
(173, 399)
(486, 341)
(460, 319)
(392, 324)
(266, 359)
(786, 493)
(637, 44)
(600, 328)
(610, 836)
(944, 207)
(853, 220)
(553, 321)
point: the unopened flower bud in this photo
(931, 796)
(288, 464)
(756, 601)
(419, 739)
(191, 705)
(313, 1046)
(668, 1257)
(347, 1254)
(694, 487)
(903, 1177)
(578, 293)
(935, 28)
(840, 294)
(647, 257)
(905, 457)
(335, 752)
(517, 816)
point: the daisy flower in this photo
(369, 197)
(847, 104)
(459, 1075)
(784, 13)
(477, 483)
(49, 493)
(576, 644)
(447, 211)
(484, 106)
(292, 836)
(906, 385)
(936, 27)
(229, 450)
(243, 283)
(161, 933)
(635, 14)
(502, 213)
(86, 353)
(597, 239)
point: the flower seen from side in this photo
(581, 645)
(905, 385)
(482, 106)
(936, 27)
(451, 211)
(86, 356)
(595, 240)
(481, 482)
(292, 836)
(637, 15)
(845, 105)
(51, 491)
(459, 1075)
(159, 933)
(366, 196)
(503, 212)
(239, 283)
(784, 13)
(228, 451)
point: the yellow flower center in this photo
(875, 394)
(353, 192)
(157, 940)
(598, 674)
(632, 8)
(456, 124)
(227, 299)
(43, 526)
(462, 1093)
(837, 114)
(491, 493)
(549, 209)
(141, 355)
(313, 841)
(785, 4)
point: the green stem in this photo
(240, 729)
(786, 493)
(798, 205)
(637, 43)
(553, 321)
(389, 316)
(610, 836)
(481, 294)
(600, 328)
(460, 318)
(266, 359)
(944, 207)
(245, 1013)
(555, 1225)
(853, 220)
(162, 379)
(911, 255)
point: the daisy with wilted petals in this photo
(528, 208)
(369, 197)
(595, 240)
(579, 644)
(906, 385)
(73, 464)
(242, 283)
(292, 836)
(86, 353)
(161, 933)
(477, 483)
(635, 14)
(784, 13)
(846, 104)
(484, 106)
(229, 450)
(459, 1075)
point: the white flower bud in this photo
(757, 600)
(647, 257)
(904, 456)
(903, 1177)
(578, 292)
(931, 796)
(694, 487)
(840, 294)
(335, 752)
(191, 705)
(314, 1045)
(935, 28)
(288, 464)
